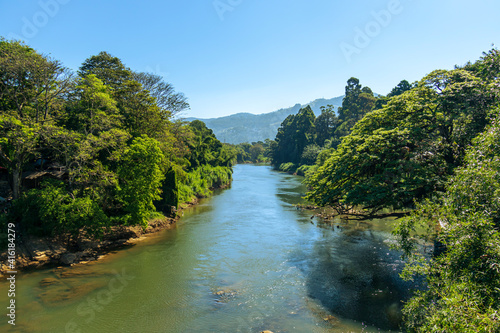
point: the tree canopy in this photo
(409, 148)
(107, 137)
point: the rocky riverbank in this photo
(39, 252)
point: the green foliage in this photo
(199, 182)
(205, 149)
(295, 133)
(140, 176)
(325, 125)
(93, 110)
(288, 167)
(401, 88)
(257, 152)
(310, 154)
(306, 170)
(109, 136)
(107, 68)
(462, 293)
(408, 149)
(357, 102)
(53, 210)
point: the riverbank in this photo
(34, 252)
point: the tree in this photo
(31, 89)
(107, 68)
(408, 149)
(140, 176)
(310, 154)
(295, 133)
(31, 84)
(461, 293)
(357, 102)
(402, 87)
(167, 99)
(325, 124)
(18, 143)
(93, 109)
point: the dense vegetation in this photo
(256, 152)
(302, 139)
(462, 293)
(407, 149)
(433, 147)
(104, 142)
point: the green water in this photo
(245, 260)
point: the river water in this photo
(245, 260)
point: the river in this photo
(244, 260)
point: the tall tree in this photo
(357, 102)
(107, 68)
(325, 124)
(31, 90)
(402, 87)
(31, 85)
(167, 99)
(93, 109)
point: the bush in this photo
(305, 170)
(200, 181)
(52, 210)
(287, 167)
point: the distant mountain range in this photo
(248, 127)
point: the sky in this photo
(257, 56)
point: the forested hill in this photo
(247, 127)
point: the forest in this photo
(431, 150)
(97, 148)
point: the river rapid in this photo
(244, 260)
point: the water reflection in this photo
(353, 274)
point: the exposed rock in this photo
(85, 244)
(224, 296)
(36, 252)
(331, 319)
(68, 258)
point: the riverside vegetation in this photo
(117, 157)
(99, 148)
(431, 148)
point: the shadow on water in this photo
(354, 274)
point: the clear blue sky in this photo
(260, 55)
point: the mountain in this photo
(248, 127)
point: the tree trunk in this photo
(16, 180)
